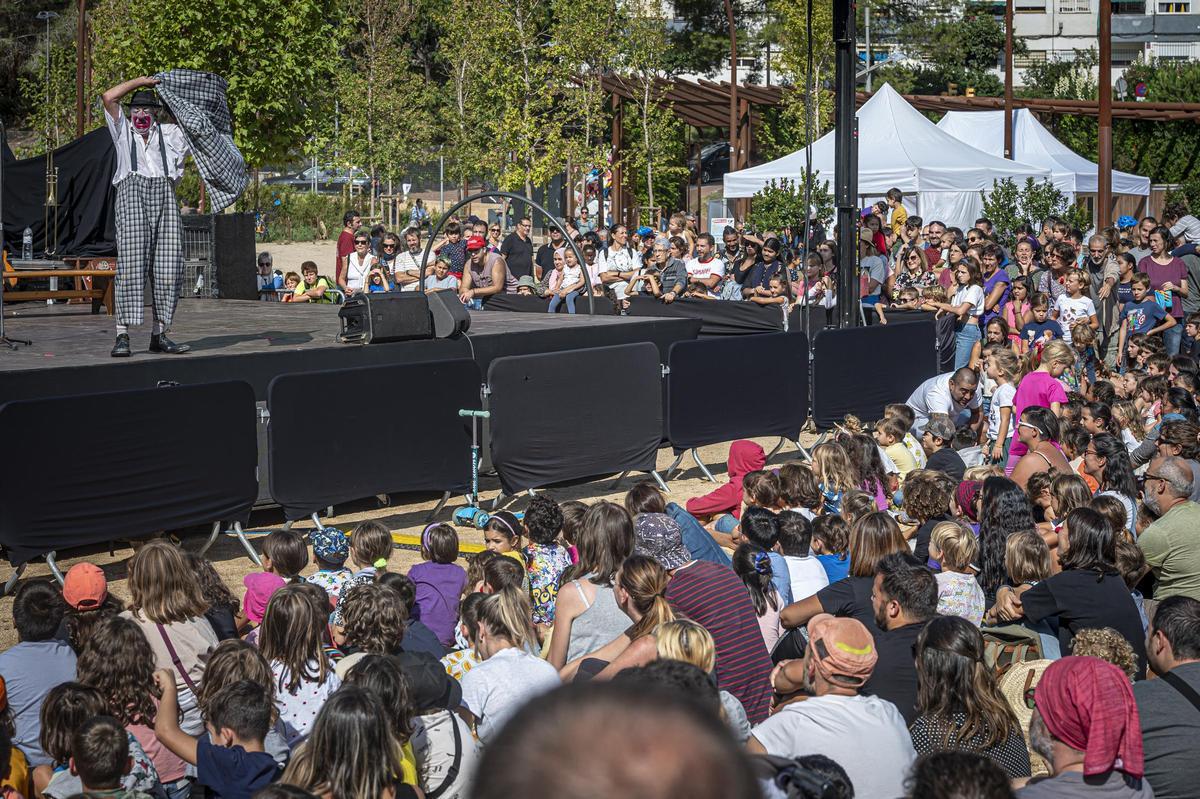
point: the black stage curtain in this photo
(346, 434)
(86, 227)
(718, 317)
(711, 383)
(858, 370)
(147, 461)
(529, 304)
(945, 333)
(568, 415)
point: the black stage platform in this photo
(255, 341)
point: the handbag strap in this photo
(175, 660)
(452, 772)
(1179, 684)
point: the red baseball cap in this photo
(84, 586)
(476, 243)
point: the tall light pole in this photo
(80, 48)
(1008, 79)
(1104, 139)
(46, 16)
(734, 160)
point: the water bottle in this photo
(27, 244)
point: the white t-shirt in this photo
(866, 735)
(620, 260)
(501, 685)
(298, 711)
(807, 575)
(433, 283)
(696, 268)
(433, 745)
(972, 294)
(570, 276)
(1001, 398)
(357, 268)
(1068, 311)
(933, 396)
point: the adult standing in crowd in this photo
(1170, 543)
(1104, 272)
(1169, 707)
(351, 222)
(517, 249)
(543, 262)
(1168, 278)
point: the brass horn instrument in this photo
(50, 208)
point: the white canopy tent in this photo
(1070, 172)
(898, 147)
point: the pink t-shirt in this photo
(1036, 388)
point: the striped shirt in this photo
(714, 597)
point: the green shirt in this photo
(322, 283)
(1172, 548)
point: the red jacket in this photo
(744, 457)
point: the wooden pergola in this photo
(705, 104)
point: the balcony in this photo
(1164, 24)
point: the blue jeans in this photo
(556, 300)
(726, 524)
(696, 538)
(1172, 337)
(964, 342)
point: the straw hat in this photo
(1017, 686)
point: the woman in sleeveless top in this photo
(586, 614)
(1038, 430)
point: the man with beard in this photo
(1169, 544)
(406, 266)
(836, 720)
(905, 598)
(1103, 269)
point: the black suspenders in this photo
(162, 151)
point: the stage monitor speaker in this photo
(233, 256)
(450, 317)
(384, 317)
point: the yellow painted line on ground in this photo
(414, 542)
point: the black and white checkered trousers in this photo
(149, 239)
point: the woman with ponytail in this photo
(961, 709)
(509, 674)
(640, 588)
(754, 567)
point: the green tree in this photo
(786, 131)
(279, 59)
(1007, 207)
(781, 205)
(51, 105)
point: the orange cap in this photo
(85, 587)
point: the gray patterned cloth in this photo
(198, 102)
(149, 239)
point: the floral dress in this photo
(546, 565)
(917, 280)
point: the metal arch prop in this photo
(433, 234)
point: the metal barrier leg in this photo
(438, 507)
(212, 537)
(675, 464)
(13, 578)
(661, 484)
(703, 468)
(499, 498)
(317, 520)
(52, 562)
(778, 446)
(617, 482)
(241, 537)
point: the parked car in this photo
(714, 162)
(328, 179)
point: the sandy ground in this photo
(405, 517)
(406, 514)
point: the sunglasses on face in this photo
(390, 245)
(360, 244)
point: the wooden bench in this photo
(100, 292)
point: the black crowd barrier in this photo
(859, 370)
(140, 463)
(567, 415)
(719, 318)
(711, 382)
(944, 327)
(523, 303)
(346, 434)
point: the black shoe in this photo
(121, 348)
(160, 343)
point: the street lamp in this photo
(46, 16)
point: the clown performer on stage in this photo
(149, 162)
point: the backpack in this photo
(1007, 645)
(791, 780)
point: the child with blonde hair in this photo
(835, 474)
(955, 547)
